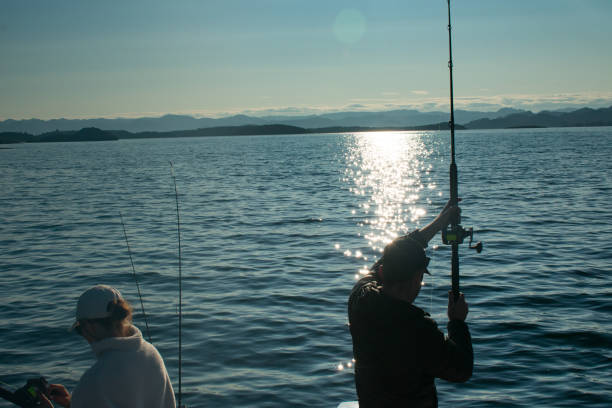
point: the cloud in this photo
(416, 92)
(538, 103)
(531, 102)
(288, 109)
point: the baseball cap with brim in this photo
(402, 258)
(93, 303)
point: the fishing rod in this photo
(178, 230)
(454, 233)
(135, 279)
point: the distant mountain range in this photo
(580, 117)
(340, 121)
(395, 118)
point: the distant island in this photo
(83, 135)
(95, 134)
(11, 131)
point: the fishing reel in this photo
(455, 234)
(28, 396)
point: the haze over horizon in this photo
(72, 59)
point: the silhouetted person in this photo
(129, 372)
(398, 348)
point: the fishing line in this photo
(135, 279)
(178, 231)
(431, 291)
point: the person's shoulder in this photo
(366, 297)
(149, 356)
(365, 287)
(366, 284)
(144, 348)
(152, 352)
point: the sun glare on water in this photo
(388, 173)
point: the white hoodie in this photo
(129, 373)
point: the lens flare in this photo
(349, 26)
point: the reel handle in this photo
(455, 234)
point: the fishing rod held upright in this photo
(454, 234)
(180, 281)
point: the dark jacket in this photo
(399, 350)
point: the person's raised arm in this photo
(440, 222)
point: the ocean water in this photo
(274, 232)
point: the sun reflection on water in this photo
(388, 172)
(390, 175)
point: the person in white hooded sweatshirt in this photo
(129, 371)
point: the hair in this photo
(119, 321)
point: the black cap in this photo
(402, 258)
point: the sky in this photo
(213, 58)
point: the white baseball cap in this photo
(93, 303)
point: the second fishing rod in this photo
(180, 283)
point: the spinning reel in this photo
(28, 396)
(455, 234)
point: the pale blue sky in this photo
(81, 58)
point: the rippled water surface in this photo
(275, 229)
